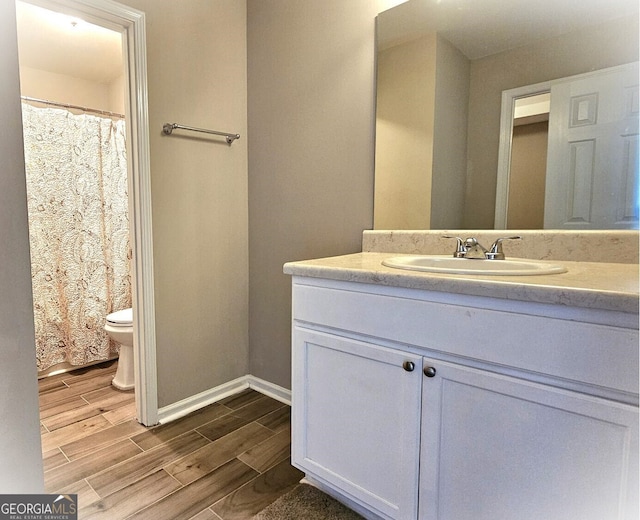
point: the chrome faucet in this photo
(472, 249)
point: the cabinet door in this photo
(356, 420)
(496, 447)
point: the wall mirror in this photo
(446, 70)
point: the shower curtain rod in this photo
(76, 107)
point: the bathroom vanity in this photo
(452, 397)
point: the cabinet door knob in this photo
(408, 366)
(429, 371)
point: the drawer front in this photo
(585, 353)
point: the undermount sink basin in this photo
(451, 265)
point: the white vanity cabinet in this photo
(413, 404)
(356, 420)
(502, 448)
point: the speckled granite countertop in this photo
(593, 285)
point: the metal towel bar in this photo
(167, 128)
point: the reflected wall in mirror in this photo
(442, 70)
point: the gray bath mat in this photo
(308, 503)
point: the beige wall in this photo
(311, 122)
(421, 127)
(450, 137)
(20, 455)
(197, 76)
(42, 84)
(612, 44)
(116, 95)
(406, 89)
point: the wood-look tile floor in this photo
(226, 461)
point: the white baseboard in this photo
(195, 402)
(191, 404)
(270, 389)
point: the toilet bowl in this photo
(119, 326)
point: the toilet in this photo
(119, 326)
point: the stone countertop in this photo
(593, 285)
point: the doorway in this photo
(129, 24)
(72, 91)
(528, 168)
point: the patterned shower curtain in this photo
(76, 174)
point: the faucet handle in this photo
(495, 251)
(460, 251)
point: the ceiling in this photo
(64, 45)
(57, 43)
(484, 27)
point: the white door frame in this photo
(507, 113)
(131, 24)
